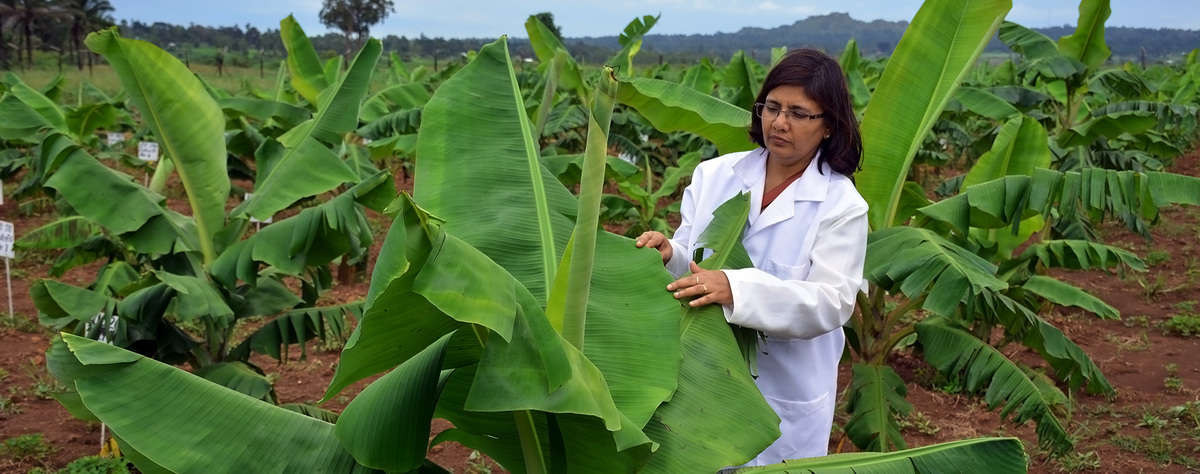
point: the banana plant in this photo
(460, 302)
(204, 271)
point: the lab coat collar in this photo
(810, 186)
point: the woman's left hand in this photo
(706, 286)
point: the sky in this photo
(492, 18)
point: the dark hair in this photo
(823, 82)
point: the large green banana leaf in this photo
(26, 111)
(387, 425)
(63, 233)
(985, 103)
(112, 200)
(673, 107)
(1087, 43)
(936, 52)
(743, 77)
(876, 403)
(19, 121)
(921, 262)
(545, 47)
(307, 72)
(157, 410)
(1130, 196)
(302, 164)
(1026, 42)
(954, 351)
(185, 119)
(1020, 147)
(997, 455)
(315, 236)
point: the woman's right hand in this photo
(657, 241)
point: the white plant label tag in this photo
(252, 219)
(113, 138)
(6, 239)
(148, 151)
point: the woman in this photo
(807, 237)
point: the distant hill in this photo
(827, 32)
(830, 33)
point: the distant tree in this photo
(23, 14)
(87, 16)
(547, 19)
(354, 17)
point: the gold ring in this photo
(695, 279)
(703, 288)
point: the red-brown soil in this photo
(1133, 432)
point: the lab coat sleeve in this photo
(678, 265)
(793, 308)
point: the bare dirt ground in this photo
(1147, 427)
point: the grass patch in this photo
(1137, 343)
(90, 465)
(1186, 325)
(21, 323)
(1172, 382)
(918, 422)
(30, 447)
(1078, 462)
(1157, 256)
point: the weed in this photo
(20, 322)
(1189, 411)
(1151, 290)
(8, 406)
(1130, 343)
(27, 447)
(919, 422)
(1185, 325)
(1077, 462)
(1172, 382)
(1126, 443)
(1158, 448)
(476, 464)
(95, 465)
(1156, 257)
(44, 386)
(3, 374)
(1188, 306)
(1152, 421)
(1141, 321)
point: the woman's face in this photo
(789, 140)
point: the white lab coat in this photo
(808, 248)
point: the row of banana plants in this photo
(175, 286)
(495, 303)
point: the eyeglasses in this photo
(768, 112)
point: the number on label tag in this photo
(148, 151)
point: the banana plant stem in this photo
(531, 446)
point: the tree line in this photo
(60, 25)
